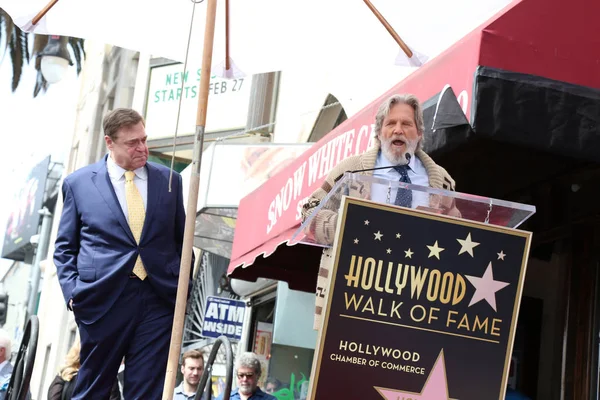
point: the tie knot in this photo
(402, 169)
(129, 175)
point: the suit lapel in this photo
(102, 181)
(156, 185)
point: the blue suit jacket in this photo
(95, 250)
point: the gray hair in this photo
(249, 360)
(5, 342)
(411, 100)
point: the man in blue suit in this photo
(117, 255)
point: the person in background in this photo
(272, 385)
(192, 368)
(248, 371)
(6, 367)
(63, 384)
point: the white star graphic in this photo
(398, 235)
(434, 251)
(366, 222)
(467, 245)
(501, 255)
(355, 241)
(378, 235)
(408, 253)
(486, 287)
(389, 251)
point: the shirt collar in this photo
(179, 390)
(384, 162)
(257, 393)
(117, 172)
(3, 364)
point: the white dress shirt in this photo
(416, 172)
(117, 178)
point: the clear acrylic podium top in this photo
(444, 202)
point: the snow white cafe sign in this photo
(223, 317)
(227, 104)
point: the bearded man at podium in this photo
(396, 156)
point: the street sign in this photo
(223, 317)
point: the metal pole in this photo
(43, 12)
(390, 30)
(192, 203)
(40, 254)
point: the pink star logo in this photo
(486, 287)
(436, 385)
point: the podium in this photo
(420, 302)
(443, 202)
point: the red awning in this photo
(550, 39)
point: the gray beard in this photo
(395, 158)
(245, 390)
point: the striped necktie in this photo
(403, 196)
(137, 214)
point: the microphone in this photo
(359, 170)
(408, 157)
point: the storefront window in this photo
(279, 331)
(289, 372)
(262, 328)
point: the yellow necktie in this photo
(137, 214)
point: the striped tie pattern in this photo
(137, 214)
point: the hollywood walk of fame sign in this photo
(420, 306)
